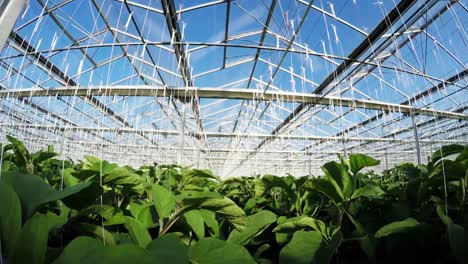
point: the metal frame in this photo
(186, 93)
(9, 12)
(218, 134)
(247, 123)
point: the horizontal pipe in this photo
(185, 94)
(217, 134)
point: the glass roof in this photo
(237, 86)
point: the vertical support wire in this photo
(445, 182)
(100, 179)
(62, 145)
(61, 155)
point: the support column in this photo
(9, 12)
(345, 150)
(386, 160)
(198, 159)
(182, 135)
(416, 138)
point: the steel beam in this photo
(186, 93)
(219, 134)
(9, 12)
(455, 78)
(412, 21)
(55, 7)
(257, 55)
(374, 36)
(170, 14)
(220, 151)
(203, 5)
(342, 21)
(63, 78)
(232, 45)
(394, 15)
(131, 63)
(226, 31)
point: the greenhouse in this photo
(230, 131)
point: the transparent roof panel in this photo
(237, 86)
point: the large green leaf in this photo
(104, 210)
(224, 207)
(138, 233)
(31, 244)
(198, 196)
(211, 223)
(22, 157)
(360, 161)
(457, 239)
(194, 176)
(122, 176)
(96, 231)
(343, 161)
(368, 191)
(122, 254)
(366, 241)
(195, 220)
(77, 250)
(215, 251)
(326, 187)
(256, 223)
(300, 222)
(169, 249)
(448, 169)
(302, 249)
(94, 167)
(116, 219)
(456, 236)
(446, 151)
(463, 155)
(164, 200)
(135, 207)
(360, 232)
(81, 195)
(33, 191)
(88, 250)
(148, 217)
(397, 227)
(311, 247)
(267, 182)
(68, 179)
(41, 156)
(144, 212)
(10, 218)
(338, 174)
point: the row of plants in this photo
(94, 211)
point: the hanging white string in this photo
(445, 182)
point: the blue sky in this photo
(439, 53)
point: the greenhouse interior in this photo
(229, 131)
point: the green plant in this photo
(58, 211)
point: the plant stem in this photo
(172, 221)
(161, 225)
